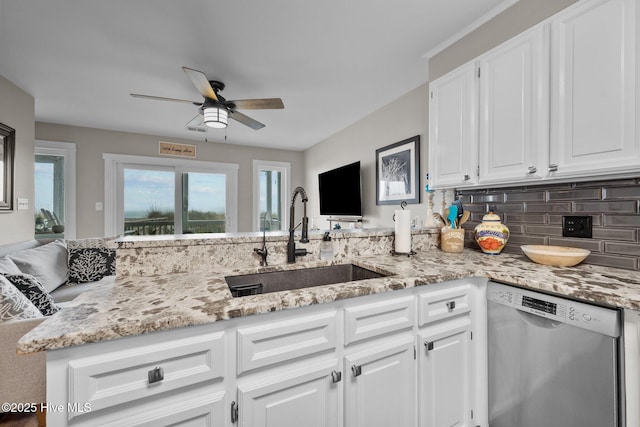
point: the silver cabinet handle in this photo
(466, 177)
(451, 305)
(428, 345)
(156, 375)
(356, 370)
(336, 376)
(533, 169)
(553, 168)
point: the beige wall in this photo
(17, 111)
(403, 118)
(92, 143)
(408, 115)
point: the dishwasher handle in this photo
(539, 321)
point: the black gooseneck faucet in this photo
(292, 252)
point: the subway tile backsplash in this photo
(534, 216)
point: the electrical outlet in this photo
(576, 226)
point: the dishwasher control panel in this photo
(584, 315)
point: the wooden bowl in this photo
(559, 256)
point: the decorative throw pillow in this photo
(32, 289)
(13, 304)
(8, 266)
(91, 264)
(47, 263)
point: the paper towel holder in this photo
(403, 204)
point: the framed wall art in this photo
(7, 148)
(398, 172)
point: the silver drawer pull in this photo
(336, 376)
(156, 375)
(451, 305)
(356, 370)
(533, 169)
(553, 168)
(466, 177)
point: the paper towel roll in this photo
(403, 231)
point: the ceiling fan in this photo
(215, 109)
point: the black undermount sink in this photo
(263, 283)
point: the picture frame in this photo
(7, 149)
(398, 172)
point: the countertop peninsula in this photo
(137, 305)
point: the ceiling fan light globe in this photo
(215, 117)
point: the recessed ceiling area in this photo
(332, 62)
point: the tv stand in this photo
(350, 219)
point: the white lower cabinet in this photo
(360, 362)
(303, 396)
(380, 384)
(444, 374)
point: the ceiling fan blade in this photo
(246, 120)
(259, 104)
(201, 83)
(160, 98)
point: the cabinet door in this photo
(514, 109)
(453, 128)
(445, 380)
(380, 385)
(291, 398)
(593, 97)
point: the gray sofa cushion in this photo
(47, 263)
(8, 266)
(68, 292)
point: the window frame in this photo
(114, 186)
(273, 166)
(68, 151)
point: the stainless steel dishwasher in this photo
(553, 362)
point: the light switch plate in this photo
(98, 206)
(23, 204)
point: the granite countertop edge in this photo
(136, 305)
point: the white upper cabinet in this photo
(453, 128)
(555, 103)
(514, 109)
(593, 96)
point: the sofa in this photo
(65, 269)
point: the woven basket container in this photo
(452, 239)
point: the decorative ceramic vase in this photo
(491, 234)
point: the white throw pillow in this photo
(14, 304)
(47, 263)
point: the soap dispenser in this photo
(326, 247)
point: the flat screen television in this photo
(340, 193)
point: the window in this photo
(271, 182)
(54, 189)
(150, 195)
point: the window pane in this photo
(270, 199)
(149, 198)
(204, 202)
(49, 195)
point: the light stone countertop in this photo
(137, 305)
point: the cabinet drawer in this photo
(117, 377)
(369, 320)
(206, 411)
(444, 303)
(275, 342)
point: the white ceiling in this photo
(331, 61)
